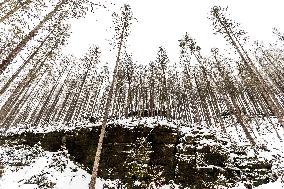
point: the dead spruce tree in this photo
(122, 27)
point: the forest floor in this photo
(32, 167)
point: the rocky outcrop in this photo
(140, 156)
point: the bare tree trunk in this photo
(262, 86)
(53, 105)
(15, 9)
(64, 103)
(16, 74)
(19, 105)
(44, 107)
(20, 88)
(12, 55)
(92, 183)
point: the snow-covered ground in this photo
(32, 167)
(25, 167)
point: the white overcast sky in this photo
(164, 22)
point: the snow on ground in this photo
(45, 128)
(24, 167)
(27, 167)
(274, 185)
(58, 126)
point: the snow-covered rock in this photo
(147, 153)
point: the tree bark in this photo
(12, 55)
(92, 184)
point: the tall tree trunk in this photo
(12, 55)
(263, 87)
(19, 105)
(15, 9)
(16, 74)
(20, 88)
(125, 25)
(47, 100)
